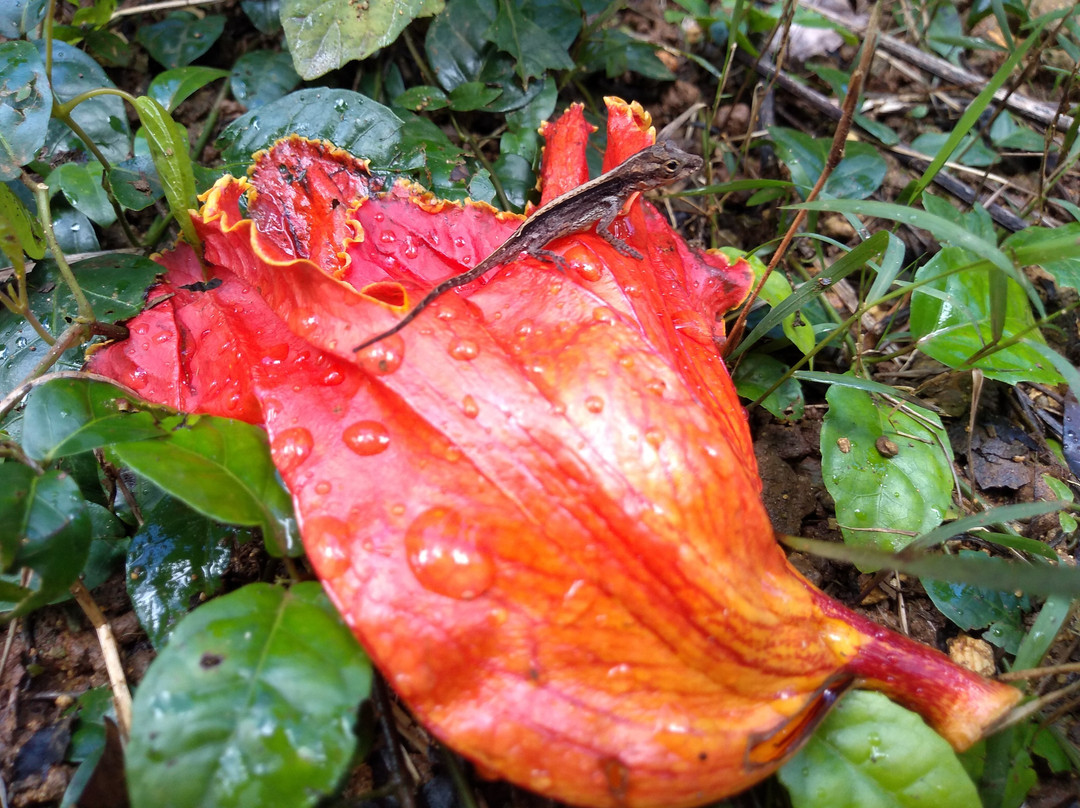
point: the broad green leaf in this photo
(950, 316)
(858, 175)
(436, 162)
(884, 501)
(615, 52)
(74, 232)
(472, 95)
(252, 702)
(223, 470)
(115, 284)
(757, 373)
(347, 119)
(1040, 637)
(102, 117)
(172, 88)
(971, 607)
(262, 76)
(459, 52)
(18, 17)
(423, 97)
(68, 416)
(176, 558)
(21, 348)
(25, 105)
(18, 228)
(871, 753)
(264, 14)
(324, 35)
(96, 15)
(135, 182)
(534, 49)
(46, 528)
(1066, 268)
(81, 185)
(775, 291)
(169, 151)
(180, 38)
(976, 220)
(974, 152)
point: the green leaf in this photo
(68, 416)
(176, 558)
(1040, 637)
(535, 51)
(881, 498)
(18, 17)
(81, 185)
(459, 52)
(262, 76)
(950, 316)
(775, 291)
(972, 150)
(347, 119)
(102, 117)
(115, 284)
(252, 702)
(324, 35)
(424, 97)
(46, 528)
(472, 95)
(74, 232)
(172, 88)
(1056, 258)
(264, 14)
(18, 228)
(169, 151)
(223, 470)
(871, 753)
(858, 175)
(180, 38)
(616, 52)
(757, 373)
(135, 182)
(25, 106)
(971, 607)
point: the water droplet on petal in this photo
(384, 357)
(290, 448)
(326, 538)
(332, 378)
(366, 438)
(443, 555)
(464, 349)
(656, 386)
(691, 324)
(588, 270)
(654, 437)
(138, 379)
(469, 407)
(594, 404)
(322, 487)
(602, 314)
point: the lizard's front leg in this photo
(603, 229)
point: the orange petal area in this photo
(537, 506)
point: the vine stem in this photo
(836, 154)
(41, 196)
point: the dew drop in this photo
(464, 350)
(384, 357)
(138, 379)
(469, 407)
(523, 329)
(290, 448)
(602, 314)
(332, 378)
(656, 386)
(322, 488)
(387, 237)
(326, 538)
(141, 328)
(443, 555)
(654, 437)
(588, 270)
(366, 438)
(594, 404)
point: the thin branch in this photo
(109, 650)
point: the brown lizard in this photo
(599, 200)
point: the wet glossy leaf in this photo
(115, 284)
(47, 529)
(347, 119)
(222, 469)
(103, 117)
(971, 607)
(323, 35)
(74, 232)
(890, 473)
(951, 317)
(757, 373)
(81, 186)
(423, 97)
(975, 153)
(615, 52)
(21, 348)
(871, 752)
(68, 416)
(858, 175)
(171, 88)
(180, 38)
(473, 95)
(260, 77)
(535, 50)
(25, 105)
(135, 182)
(252, 702)
(169, 150)
(176, 559)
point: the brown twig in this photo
(836, 154)
(109, 650)
(1039, 673)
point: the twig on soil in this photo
(111, 653)
(1039, 673)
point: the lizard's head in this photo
(663, 163)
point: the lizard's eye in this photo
(672, 166)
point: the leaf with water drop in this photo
(870, 751)
(252, 702)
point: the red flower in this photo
(537, 506)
